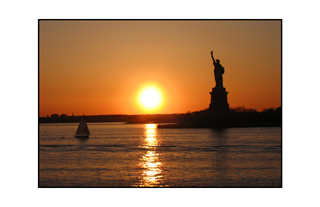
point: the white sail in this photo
(83, 129)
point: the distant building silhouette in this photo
(54, 116)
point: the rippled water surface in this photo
(140, 155)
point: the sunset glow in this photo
(106, 67)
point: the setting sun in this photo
(150, 98)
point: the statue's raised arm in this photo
(212, 57)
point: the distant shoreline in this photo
(179, 126)
(202, 119)
(129, 119)
(171, 123)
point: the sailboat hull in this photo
(81, 136)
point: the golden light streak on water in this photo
(151, 175)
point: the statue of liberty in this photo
(218, 71)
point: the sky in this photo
(101, 67)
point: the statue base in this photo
(219, 101)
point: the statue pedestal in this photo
(219, 101)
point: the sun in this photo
(150, 98)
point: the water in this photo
(140, 155)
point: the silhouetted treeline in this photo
(236, 117)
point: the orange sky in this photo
(99, 67)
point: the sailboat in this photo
(83, 130)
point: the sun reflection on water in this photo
(152, 172)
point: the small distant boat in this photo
(83, 130)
